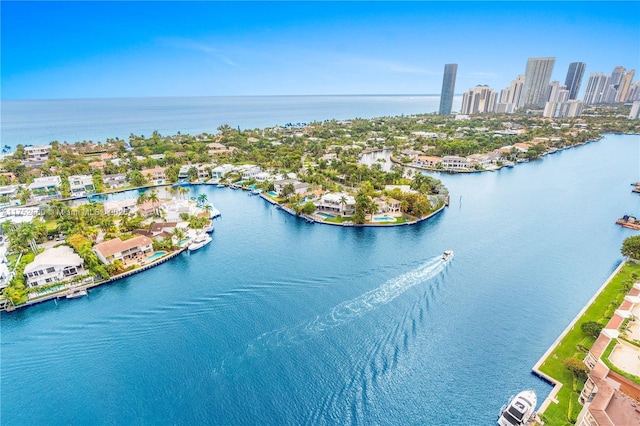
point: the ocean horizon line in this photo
(225, 96)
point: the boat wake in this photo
(346, 311)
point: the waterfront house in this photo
(482, 160)
(149, 207)
(522, 147)
(117, 249)
(183, 173)
(454, 163)
(155, 176)
(45, 188)
(81, 184)
(337, 202)
(427, 161)
(53, 265)
(610, 396)
(10, 191)
(203, 171)
(171, 209)
(219, 172)
(298, 187)
(114, 181)
(249, 171)
(262, 176)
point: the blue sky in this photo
(121, 49)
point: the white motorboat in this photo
(209, 229)
(520, 409)
(76, 292)
(199, 242)
(448, 254)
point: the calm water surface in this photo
(72, 120)
(278, 321)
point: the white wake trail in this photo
(353, 308)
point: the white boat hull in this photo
(199, 244)
(520, 409)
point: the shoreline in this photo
(536, 367)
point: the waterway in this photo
(279, 321)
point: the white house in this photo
(338, 202)
(53, 265)
(250, 172)
(117, 249)
(36, 155)
(115, 181)
(298, 187)
(454, 163)
(119, 207)
(45, 187)
(219, 172)
(79, 184)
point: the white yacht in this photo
(520, 409)
(199, 242)
(448, 254)
(76, 292)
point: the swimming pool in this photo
(273, 193)
(384, 219)
(156, 255)
(327, 215)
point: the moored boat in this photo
(520, 409)
(199, 242)
(448, 254)
(76, 292)
(209, 229)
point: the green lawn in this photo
(601, 310)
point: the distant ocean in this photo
(74, 120)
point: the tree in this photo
(142, 198)
(287, 190)
(202, 199)
(192, 174)
(591, 328)
(136, 178)
(577, 367)
(631, 247)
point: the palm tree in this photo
(183, 191)
(142, 198)
(207, 208)
(343, 202)
(202, 199)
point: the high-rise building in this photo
(611, 91)
(574, 78)
(625, 86)
(536, 82)
(510, 96)
(596, 87)
(480, 99)
(557, 92)
(635, 111)
(634, 92)
(448, 86)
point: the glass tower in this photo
(574, 78)
(448, 86)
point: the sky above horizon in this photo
(83, 49)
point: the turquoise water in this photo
(284, 322)
(384, 219)
(156, 255)
(327, 215)
(273, 193)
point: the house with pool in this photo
(336, 203)
(127, 251)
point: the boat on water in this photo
(630, 222)
(448, 254)
(520, 409)
(220, 185)
(199, 242)
(209, 229)
(76, 292)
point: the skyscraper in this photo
(448, 86)
(480, 99)
(574, 78)
(596, 87)
(536, 82)
(625, 86)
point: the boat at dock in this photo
(76, 292)
(630, 222)
(519, 410)
(199, 242)
(209, 229)
(448, 254)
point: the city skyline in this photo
(448, 88)
(297, 48)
